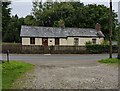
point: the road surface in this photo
(66, 71)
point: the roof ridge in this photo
(57, 27)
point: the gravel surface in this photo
(69, 75)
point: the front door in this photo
(45, 41)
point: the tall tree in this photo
(29, 20)
(75, 14)
(14, 26)
(5, 17)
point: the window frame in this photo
(94, 41)
(76, 41)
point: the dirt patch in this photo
(69, 77)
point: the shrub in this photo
(104, 42)
(100, 48)
(88, 43)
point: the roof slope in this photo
(34, 31)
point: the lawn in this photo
(12, 71)
(110, 61)
(0, 76)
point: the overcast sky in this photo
(24, 7)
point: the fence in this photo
(37, 49)
(53, 49)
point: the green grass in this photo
(110, 61)
(0, 76)
(12, 71)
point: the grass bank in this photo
(0, 76)
(110, 61)
(13, 70)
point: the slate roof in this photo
(34, 31)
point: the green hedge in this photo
(100, 48)
(12, 47)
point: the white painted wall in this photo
(100, 40)
(38, 41)
(51, 41)
(63, 41)
(70, 41)
(84, 40)
(25, 41)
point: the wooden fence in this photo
(53, 49)
(36, 49)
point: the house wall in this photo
(100, 40)
(62, 41)
(84, 40)
(70, 41)
(25, 41)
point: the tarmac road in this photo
(56, 57)
(66, 71)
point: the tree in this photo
(14, 26)
(74, 14)
(5, 17)
(29, 20)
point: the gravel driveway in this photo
(73, 74)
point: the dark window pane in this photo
(94, 41)
(76, 41)
(32, 40)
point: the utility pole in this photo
(110, 31)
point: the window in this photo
(76, 41)
(32, 40)
(94, 41)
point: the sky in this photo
(24, 7)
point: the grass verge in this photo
(110, 61)
(13, 70)
(0, 76)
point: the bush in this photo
(88, 43)
(104, 42)
(100, 48)
(12, 47)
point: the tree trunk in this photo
(119, 45)
(110, 31)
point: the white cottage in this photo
(48, 36)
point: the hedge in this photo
(101, 48)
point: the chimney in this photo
(98, 27)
